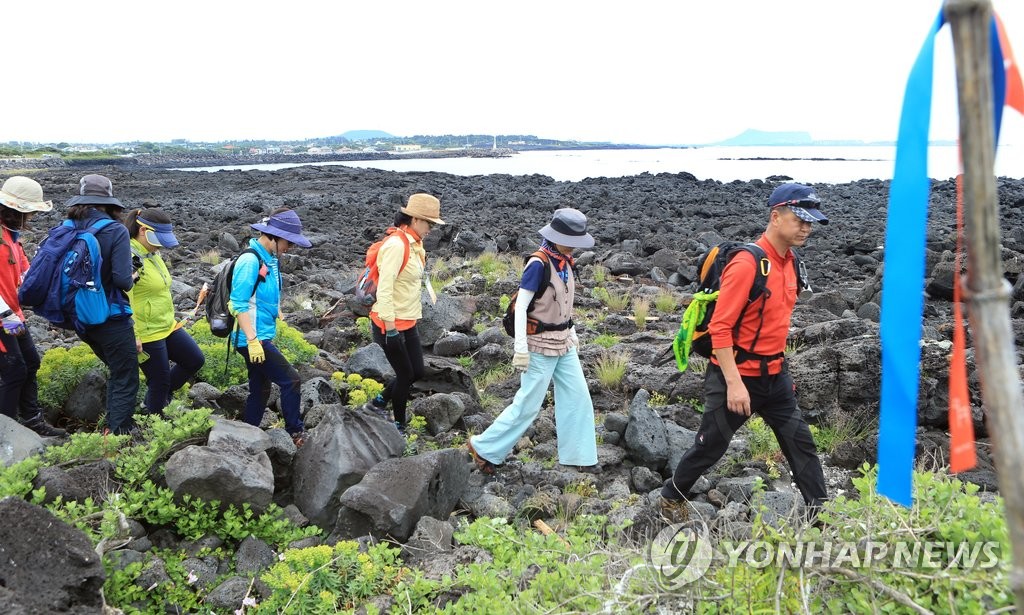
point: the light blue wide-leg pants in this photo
(574, 412)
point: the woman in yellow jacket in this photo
(398, 306)
(160, 337)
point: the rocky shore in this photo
(649, 229)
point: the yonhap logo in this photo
(680, 554)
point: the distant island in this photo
(796, 137)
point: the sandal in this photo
(298, 439)
(482, 464)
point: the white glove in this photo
(521, 361)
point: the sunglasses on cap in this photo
(806, 203)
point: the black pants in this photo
(774, 399)
(405, 354)
(275, 369)
(162, 379)
(114, 343)
(19, 389)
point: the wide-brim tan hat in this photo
(424, 207)
(24, 194)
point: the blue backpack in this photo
(63, 284)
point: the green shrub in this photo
(61, 370)
(606, 340)
(327, 579)
(354, 389)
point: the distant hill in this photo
(366, 135)
(764, 137)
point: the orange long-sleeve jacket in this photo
(737, 280)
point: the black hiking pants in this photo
(405, 354)
(772, 397)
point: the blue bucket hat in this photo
(158, 234)
(801, 200)
(286, 225)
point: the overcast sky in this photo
(672, 72)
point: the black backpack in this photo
(533, 326)
(222, 322)
(693, 331)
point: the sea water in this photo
(810, 164)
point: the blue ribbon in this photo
(903, 274)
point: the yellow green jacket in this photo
(151, 301)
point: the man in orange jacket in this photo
(748, 369)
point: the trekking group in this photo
(101, 274)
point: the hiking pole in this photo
(199, 300)
(195, 311)
(987, 292)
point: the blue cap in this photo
(158, 234)
(801, 200)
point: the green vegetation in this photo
(641, 310)
(842, 428)
(355, 390)
(945, 512)
(600, 273)
(210, 257)
(666, 302)
(137, 496)
(498, 373)
(606, 340)
(657, 400)
(363, 325)
(61, 370)
(610, 368)
(216, 350)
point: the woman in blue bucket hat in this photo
(255, 301)
(163, 338)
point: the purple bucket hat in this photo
(286, 225)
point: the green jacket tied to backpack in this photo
(151, 297)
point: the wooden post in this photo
(987, 292)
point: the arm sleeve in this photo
(389, 264)
(120, 257)
(737, 279)
(243, 282)
(522, 303)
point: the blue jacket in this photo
(116, 250)
(263, 306)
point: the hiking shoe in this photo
(298, 439)
(377, 406)
(482, 464)
(674, 511)
(400, 427)
(44, 429)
